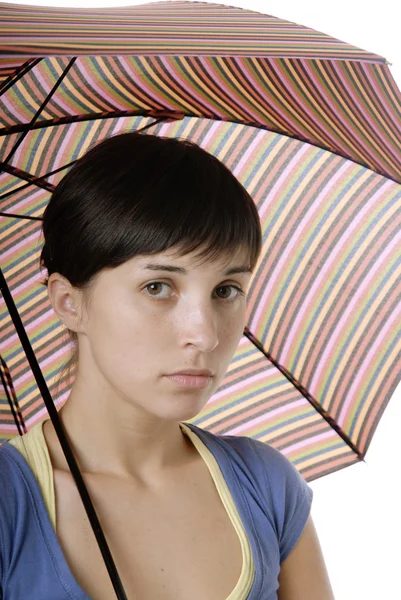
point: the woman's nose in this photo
(200, 328)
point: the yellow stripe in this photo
(373, 387)
(111, 80)
(328, 305)
(315, 107)
(377, 113)
(238, 89)
(193, 75)
(273, 152)
(342, 451)
(152, 77)
(350, 267)
(360, 333)
(350, 119)
(268, 85)
(284, 213)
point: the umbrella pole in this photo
(11, 397)
(61, 434)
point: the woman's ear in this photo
(66, 301)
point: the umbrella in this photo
(309, 124)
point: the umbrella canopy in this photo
(310, 125)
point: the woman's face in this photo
(142, 323)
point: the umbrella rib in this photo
(305, 394)
(14, 216)
(7, 382)
(32, 180)
(40, 109)
(180, 115)
(114, 114)
(38, 181)
(41, 180)
(16, 76)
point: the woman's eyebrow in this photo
(182, 271)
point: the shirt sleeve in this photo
(289, 495)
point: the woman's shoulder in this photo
(263, 459)
(11, 465)
(14, 500)
(17, 477)
(14, 476)
(266, 473)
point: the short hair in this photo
(136, 194)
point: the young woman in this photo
(150, 244)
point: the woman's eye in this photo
(155, 284)
(236, 296)
(231, 298)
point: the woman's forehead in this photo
(193, 260)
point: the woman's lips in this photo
(190, 381)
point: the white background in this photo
(356, 510)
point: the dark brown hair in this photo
(135, 194)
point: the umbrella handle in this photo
(61, 434)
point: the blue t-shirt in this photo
(271, 497)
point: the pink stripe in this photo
(31, 326)
(165, 129)
(60, 156)
(8, 428)
(19, 381)
(363, 371)
(29, 284)
(56, 100)
(236, 100)
(312, 441)
(211, 133)
(299, 288)
(119, 125)
(322, 276)
(268, 415)
(294, 239)
(12, 108)
(334, 305)
(233, 389)
(352, 132)
(355, 302)
(113, 102)
(364, 119)
(283, 179)
(14, 249)
(259, 138)
(42, 414)
(285, 116)
(140, 81)
(188, 99)
(392, 113)
(26, 201)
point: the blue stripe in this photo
(323, 303)
(377, 374)
(17, 353)
(301, 256)
(33, 388)
(264, 159)
(237, 403)
(317, 453)
(380, 284)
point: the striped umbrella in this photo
(310, 125)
